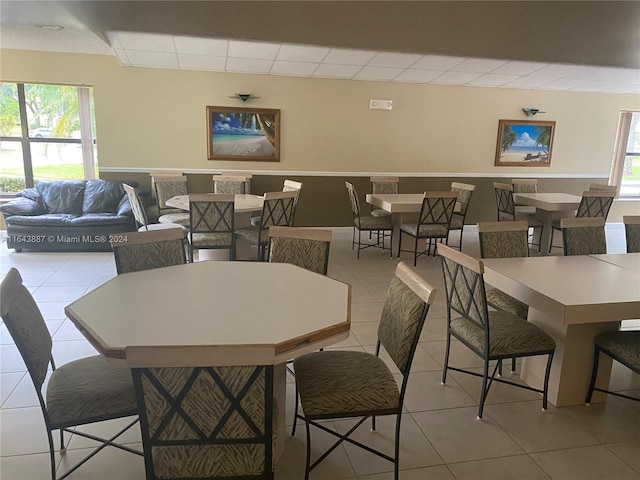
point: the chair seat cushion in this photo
(623, 345)
(251, 235)
(338, 384)
(373, 223)
(179, 218)
(378, 212)
(509, 336)
(211, 239)
(89, 390)
(438, 231)
(456, 223)
(506, 303)
(154, 227)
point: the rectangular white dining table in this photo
(573, 299)
(549, 207)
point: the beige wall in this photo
(150, 118)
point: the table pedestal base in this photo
(572, 361)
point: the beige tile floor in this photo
(441, 438)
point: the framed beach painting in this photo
(243, 134)
(524, 143)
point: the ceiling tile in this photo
(202, 62)
(478, 65)
(122, 56)
(152, 59)
(248, 65)
(418, 76)
(339, 71)
(456, 78)
(294, 68)
(563, 84)
(631, 87)
(266, 51)
(378, 73)
(437, 62)
(201, 46)
(394, 60)
(298, 53)
(492, 80)
(150, 42)
(557, 71)
(519, 68)
(528, 82)
(341, 56)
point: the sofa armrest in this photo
(124, 207)
(22, 206)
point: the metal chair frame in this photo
(632, 232)
(465, 191)
(205, 208)
(357, 225)
(505, 204)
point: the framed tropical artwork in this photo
(524, 143)
(243, 134)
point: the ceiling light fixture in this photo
(244, 96)
(51, 27)
(531, 111)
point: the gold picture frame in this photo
(524, 143)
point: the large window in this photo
(47, 132)
(625, 168)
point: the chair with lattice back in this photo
(491, 335)
(166, 188)
(632, 232)
(381, 226)
(140, 214)
(524, 185)
(213, 422)
(230, 184)
(507, 212)
(277, 210)
(383, 185)
(136, 251)
(465, 191)
(82, 392)
(212, 223)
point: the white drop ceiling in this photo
(221, 55)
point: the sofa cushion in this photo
(62, 196)
(46, 220)
(22, 206)
(102, 196)
(101, 219)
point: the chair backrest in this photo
(603, 188)
(136, 206)
(524, 185)
(26, 326)
(167, 187)
(503, 239)
(229, 184)
(293, 186)
(595, 203)
(307, 248)
(205, 421)
(160, 173)
(353, 200)
(437, 208)
(212, 213)
(464, 190)
(464, 287)
(277, 209)
(385, 184)
(408, 299)
(136, 251)
(504, 201)
(632, 232)
(583, 236)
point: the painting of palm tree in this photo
(524, 143)
(243, 134)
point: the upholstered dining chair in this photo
(383, 185)
(594, 203)
(603, 188)
(583, 236)
(152, 210)
(230, 184)
(82, 392)
(211, 223)
(381, 226)
(166, 188)
(307, 248)
(347, 384)
(432, 225)
(465, 191)
(622, 346)
(524, 185)
(140, 214)
(288, 186)
(136, 251)
(507, 210)
(205, 422)
(491, 335)
(632, 232)
(277, 210)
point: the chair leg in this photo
(359, 242)
(415, 253)
(306, 469)
(513, 365)
(446, 358)
(546, 382)
(399, 242)
(295, 414)
(483, 393)
(396, 463)
(594, 374)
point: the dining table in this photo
(215, 314)
(573, 299)
(549, 207)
